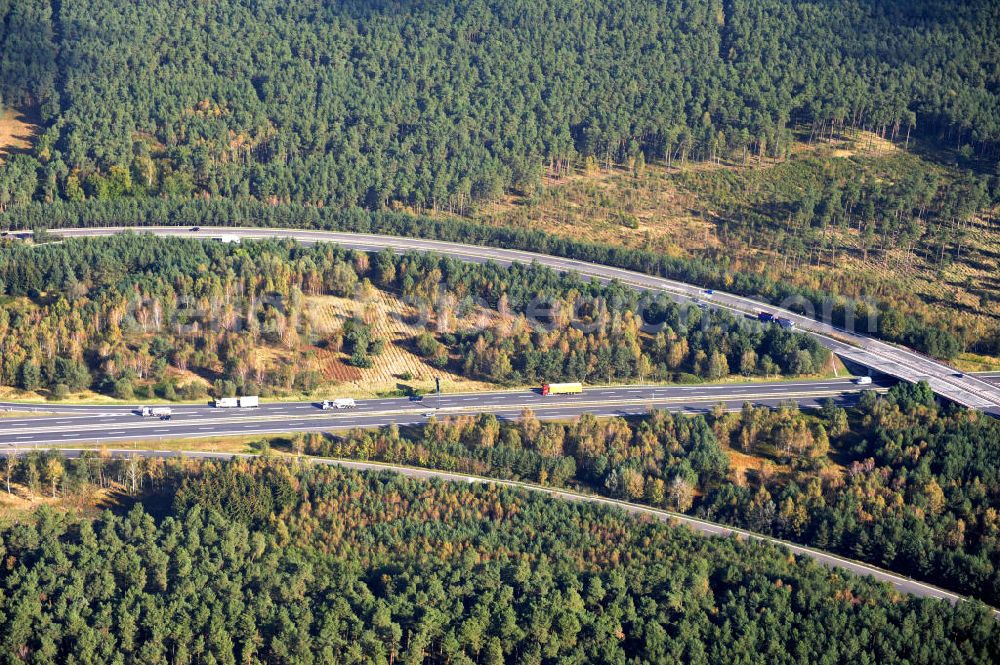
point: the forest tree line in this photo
(266, 561)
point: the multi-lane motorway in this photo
(66, 425)
(992, 377)
(880, 356)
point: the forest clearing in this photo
(794, 219)
(17, 131)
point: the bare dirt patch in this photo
(652, 207)
(395, 322)
(617, 206)
(742, 463)
(21, 504)
(17, 131)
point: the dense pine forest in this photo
(266, 562)
(140, 316)
(439, 104)
(897, 481)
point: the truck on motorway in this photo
(863, 380)
(249, 402)
(339, 403)
(768, 317)
(158, 411)
(562, 388)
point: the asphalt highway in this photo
(900, 362)
(992, 377)
(57, 424)
(900, 582)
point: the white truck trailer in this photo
(245, 402)
(339, 403)
(158, 411)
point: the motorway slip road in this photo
(900, 582)
(106, 424)
(900, 362)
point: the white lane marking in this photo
(559, 407)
